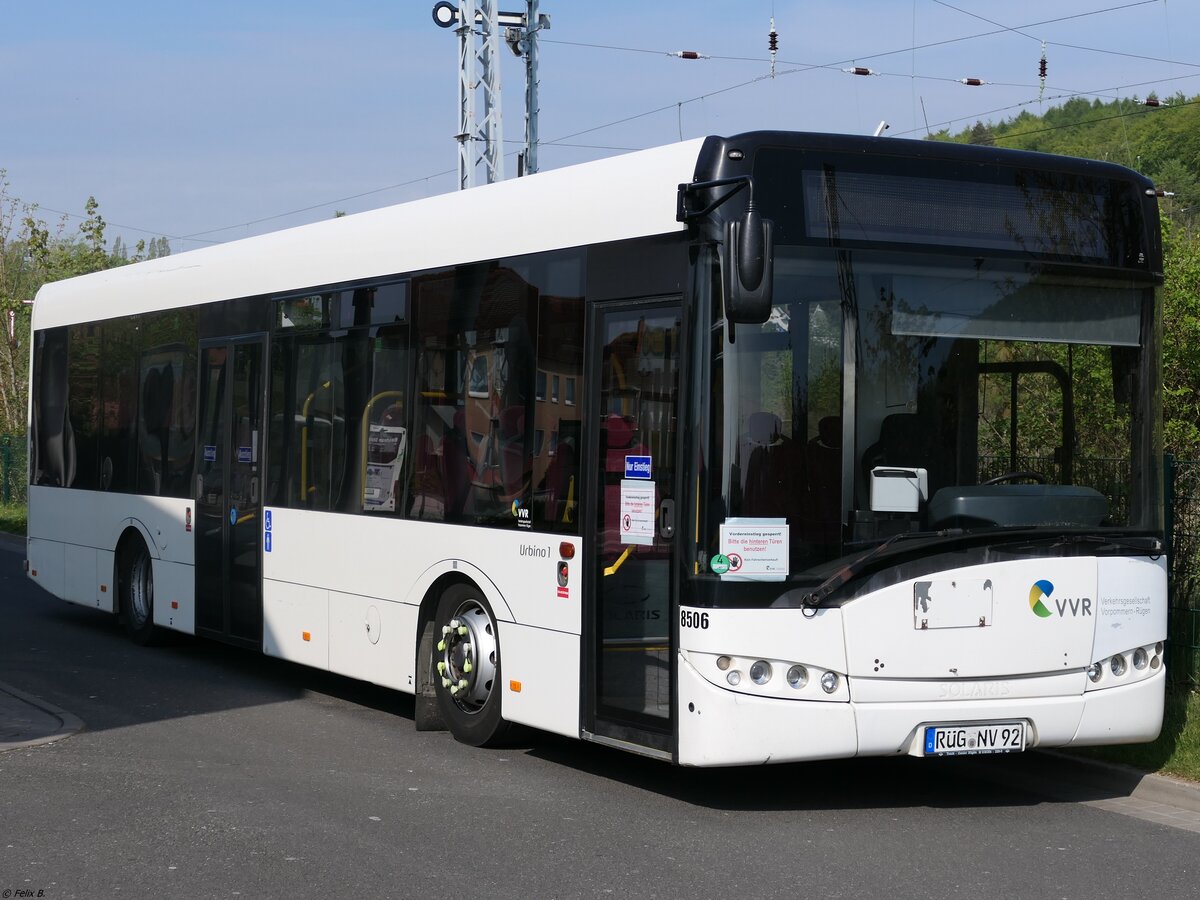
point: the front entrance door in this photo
(635, 414)
(229, 490)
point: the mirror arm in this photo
(683, 214)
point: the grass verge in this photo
(1177, 749)
(13, 518)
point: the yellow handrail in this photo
(366, 431)
(569, 505)
(612, 570)
(305, 490)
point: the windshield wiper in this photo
(852, 569)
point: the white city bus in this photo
(752, 449)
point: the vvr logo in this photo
(1041, 591)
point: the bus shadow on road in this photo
(82, 660)
(869, 783)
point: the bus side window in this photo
(55, 446)
(384, 451)
(557, 491)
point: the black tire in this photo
(466, 667)
(137, 593)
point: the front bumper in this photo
(719, 727)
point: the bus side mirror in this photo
(749, 268)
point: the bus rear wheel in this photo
(466, 660)
(137, 593)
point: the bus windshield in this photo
(894, 393)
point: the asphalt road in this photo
(210, 772)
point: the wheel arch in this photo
(434, 582)
(132, 530)
(425, 594)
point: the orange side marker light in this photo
(306, 635)
(515, 687)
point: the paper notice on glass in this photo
(753, 550)
(637, 512)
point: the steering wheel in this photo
(1017, 476)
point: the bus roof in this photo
(627, 196)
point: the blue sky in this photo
(186, 118)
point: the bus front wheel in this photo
(466, 660)
(137, 593)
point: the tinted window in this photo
(83, 383)
(54, 444)
(167, 408)
(119, 398)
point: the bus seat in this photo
(901, 443)
(765, 488)
(562, 471)
(825, 481)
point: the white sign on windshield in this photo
(753, 550)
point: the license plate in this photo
(981, 737)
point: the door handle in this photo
(666, 519)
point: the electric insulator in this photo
(1151, 101)
(773, 41)
(688, 54)
(1042, 68)
(973, 82)
(859, 70)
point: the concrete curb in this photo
(33, 716)
(1154, 788)
(1059, 775)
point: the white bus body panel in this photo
(1044, 622)
(72, 543)
(884, 640)
(424, 234)
(1132, 604)
(718, 727)
(325, 573)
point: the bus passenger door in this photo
(634, 414)
(228, 485)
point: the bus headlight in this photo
(797, 676)
(1127, 667)
(756, 676)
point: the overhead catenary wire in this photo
(1001, 29)
(678, 104)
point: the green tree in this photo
(981, 134)
(1181, 344)
(31, 255)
